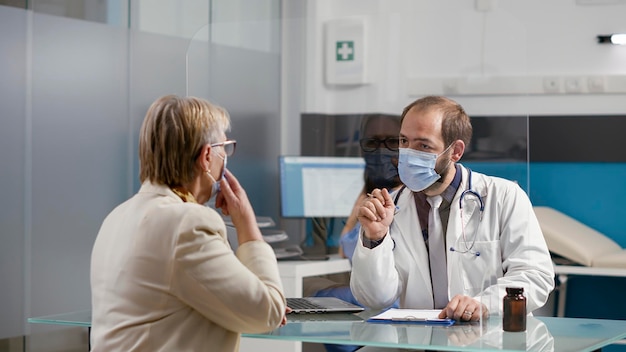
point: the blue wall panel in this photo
(594, 194)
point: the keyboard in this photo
(321, 305)
(299, 303)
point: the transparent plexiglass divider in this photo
(499, 148)
(197, 60)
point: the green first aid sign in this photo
(345, 50)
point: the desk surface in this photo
(304, 268)
(542, 333)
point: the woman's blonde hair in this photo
(172, 134)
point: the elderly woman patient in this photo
(163, 275)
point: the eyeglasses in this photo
(229, 146)
(371, 144)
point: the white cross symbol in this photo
(344, 51)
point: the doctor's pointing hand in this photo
(376, 214)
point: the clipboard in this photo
(411, 316)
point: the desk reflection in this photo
(542, 334)
(488, 335)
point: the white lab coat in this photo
(512, 251)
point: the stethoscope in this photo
(467, 192)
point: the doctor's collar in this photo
(450, 191)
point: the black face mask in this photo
(380, 172)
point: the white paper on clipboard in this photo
(424, 316)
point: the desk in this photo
(542, 334)
(564, 271)
(292, 274)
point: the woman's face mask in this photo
(215, 187)
(417, 168)
(379, 168)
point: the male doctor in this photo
(479, 236)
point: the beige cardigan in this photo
(164, 278)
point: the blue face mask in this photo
(417, 168)
(215, 187)
(379, 169)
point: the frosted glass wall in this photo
(12, 158)
(80, 152)
(73, 94)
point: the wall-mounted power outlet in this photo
(551, 84)
(596, 84)
(574, 84)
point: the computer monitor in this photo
(319, 186)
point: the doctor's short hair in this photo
(456, 123)
(172, 134)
